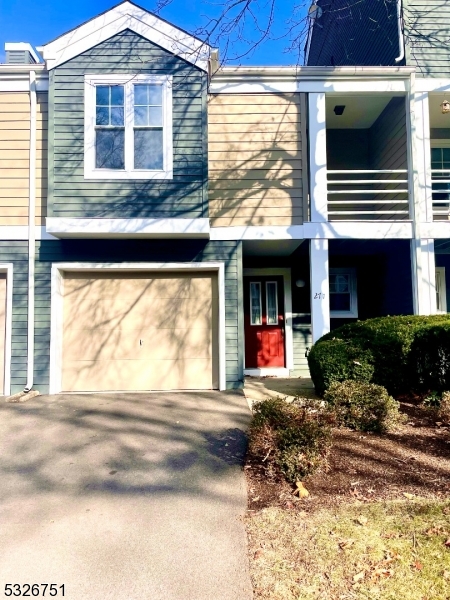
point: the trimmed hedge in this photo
(430, 357)
(384, 344)
(338, 360)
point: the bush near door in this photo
(384, 344)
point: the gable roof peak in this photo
(120, 17)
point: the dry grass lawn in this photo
(383, 550)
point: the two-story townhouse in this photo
(201, 225)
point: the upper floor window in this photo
(128, 127)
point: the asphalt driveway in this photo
(125, 496)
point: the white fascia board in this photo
(20, 82)
(20, 232)
(359, 230)
(128, 228)
(326, 230)
(22, 46)
(432, 85)
(244, 232)
(329, 86)
(439, 230)
(126, 16)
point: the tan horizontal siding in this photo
(14, 158)
(255, 163)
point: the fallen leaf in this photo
(343, 544)
(409, 496)
(447, 543)
(362, 520)
(258, 554)
(389, 535)
(301, 490)
(358, 577)
(446, 575)
(418, 565)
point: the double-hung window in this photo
(343, 298)
(128, 127)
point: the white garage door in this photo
(140, 331)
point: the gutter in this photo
(31, 235)
(401, 37)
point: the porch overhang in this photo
(128, 228)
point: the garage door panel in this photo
(131, 375)
(140, 331)
(95, 344)
(141, 310)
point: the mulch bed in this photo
(363, 467)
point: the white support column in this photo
(318, 157)
(423, 276)
(422, 159)
(320, 288)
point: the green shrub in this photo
(363, 406)
(388, 340)
(430, 357)
(289, 439)
(338, 360)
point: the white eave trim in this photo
(128, 228)
(118, 19)
(18, 79)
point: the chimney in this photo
(20, 53)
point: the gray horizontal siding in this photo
(427, 25)
(302, 340)
(355, 33)
(70, 195)
(16, 252)
(110, 251)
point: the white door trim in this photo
(57, 294)
(289, 346)
(8, 269)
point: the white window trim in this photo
(353, 312)
(258, 283)
(90, 172)
(443, 291)
(276, 303)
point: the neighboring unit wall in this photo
(363, 32)
(427, 26)
(256, 172)
(15, 158)
(16, 252)
(74, 196)
(388, 150)
(41, 157)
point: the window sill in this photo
(343, 315)
(131, 175)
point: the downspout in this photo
(401, 37)
(31, 234)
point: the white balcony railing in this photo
(440, 183)
(376, 194)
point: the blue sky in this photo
(40, 22)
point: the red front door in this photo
(264, 322)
